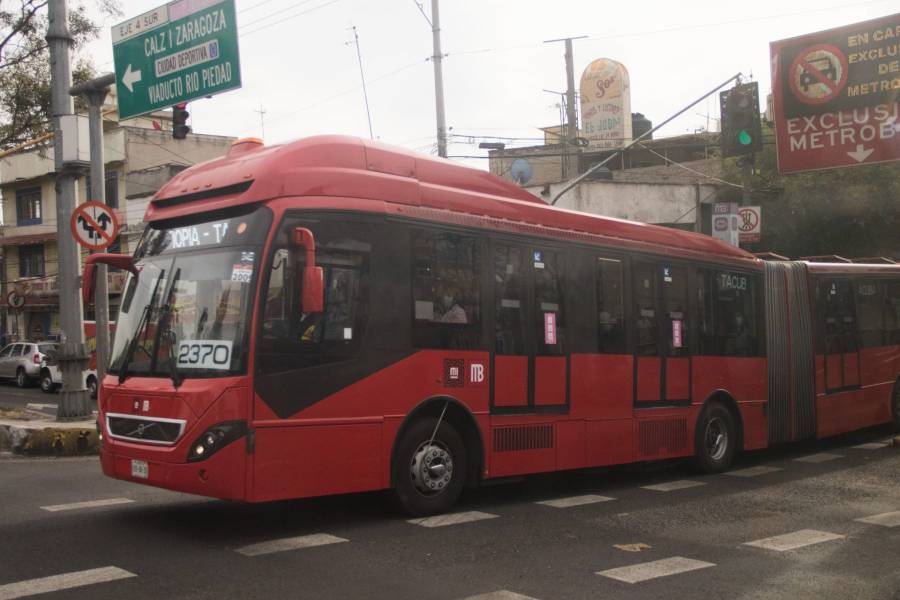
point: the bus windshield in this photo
(188, 310)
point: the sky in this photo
(297, 65)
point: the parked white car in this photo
(21, 361)
(51, 378)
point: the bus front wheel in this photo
(716, 439)
(429, 468)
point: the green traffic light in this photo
(745, 138)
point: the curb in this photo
(40, 439)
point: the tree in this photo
(852, 212)
(25, 63)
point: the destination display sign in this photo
(183, 50)
(247, 230)
(837, 96)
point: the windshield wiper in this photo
(163, 324)
(145, 316)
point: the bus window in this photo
(892, 318)
(509, 282)
(728, 314)
(837, 320)
(549, 269)
(610, 307)
(871, 310)
(646, 320)
(446, 290)
(675, 305)
(291, 338)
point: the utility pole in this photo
(363, 77)
(74, 402)
(436, 58)
(262, 121)
(95, 92)
(571, 131)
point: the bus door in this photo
(837, 330)
(662, 363)
(530, 363)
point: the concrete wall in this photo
(149, 148)
(644, 202)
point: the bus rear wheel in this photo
(429, 472)
(715, 440)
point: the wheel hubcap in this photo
(716, 438)
(431, 468)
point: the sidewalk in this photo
(32, 433)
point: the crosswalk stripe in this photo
(794, 540)
(65, 581)
(890, 519)
(671, 486)
(291, 543)
(753, 471)
(452, 519)
(871, 446)
(88, 504)
(575, 501)
(657, 568)
(500, 595)
(818, 458)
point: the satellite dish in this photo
(521, 171)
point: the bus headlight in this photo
(215, 438)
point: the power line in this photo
(245, 33)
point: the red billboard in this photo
(837, 96)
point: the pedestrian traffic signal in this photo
(180, 115)
(741, 127)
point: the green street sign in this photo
(183, 50)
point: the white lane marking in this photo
(753, 471)
(452, 519)
(499, 595)
(871, 446)
(66, 581)
(792, 541)
(575, 501)
(671, 486)
(657, 568)
(291, 543)
(818, 458)
(891, 519)
(39, 406)
(88, 504)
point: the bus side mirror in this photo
(118, 261)
(313, 300)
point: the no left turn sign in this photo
(94, 225)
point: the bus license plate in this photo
(140, 469)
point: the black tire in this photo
(411, 462)
(47, 385)
(715, 441)
(21, 378)
(91, 385)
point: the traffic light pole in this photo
(74, 402)
(95, 92)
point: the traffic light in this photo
(180, 115)
(741, 128)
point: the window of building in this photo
(28, 206)
(728, 323)
(872, 310)
(446, 290)
(31, 260)
(111, 191)
(610, 307)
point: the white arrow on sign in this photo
(131, 77)
(861, 153)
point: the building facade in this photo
(140, 156)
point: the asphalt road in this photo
(602, 534)
(30, 397)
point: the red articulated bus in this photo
(335, 315)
